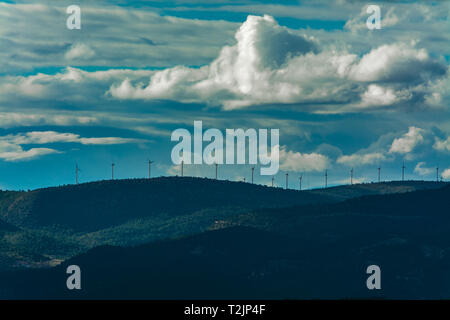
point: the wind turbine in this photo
(253, 171)
(300, 180)
(326, 178)
(403, 171)
(351, 176)
(76, 173)
(273, 180)
(150, 168)
(217, 165)
(182, 168)
(112, 170)
(287, 177)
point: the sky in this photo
(342, 95)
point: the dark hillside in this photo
(98, 205)
(302, 252)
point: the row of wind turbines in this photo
(150, 162)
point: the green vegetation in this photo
(41, 228)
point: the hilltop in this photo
(302, 252)
(98, 205)
(45, 226)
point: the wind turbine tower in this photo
(403, 171)
(112, 170)
(150, 169)
(272, 180)
(437, 174)
(253, 171)
(300, 182)
(287, 177)
(351, 176)
(182, 168)
(379, 175)
(216, 169)
(326, 178)
(76, 173)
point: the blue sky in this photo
(342, 95)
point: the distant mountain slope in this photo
(344, 192)
(58, 223)
(98, 205)
(239, 263)
(4, 226)
(302, 252)
(420, 214)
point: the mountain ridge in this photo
(97, 205)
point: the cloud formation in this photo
(79, 51)
(407, 142)
(34, 35)
(11, 146)
(422, 170)
(248, 73)
(387, 147)
(361, 159)
(302, 162)
(446, 174)
(442, 145)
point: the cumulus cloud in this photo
(407, 142)
(261, 68)
(361, 159)
(446, 174)
(442, 145)
(390, 145)
(302, 162)
(398, 62)
(69, 86)
(79, 51)
(378, 96)
(422, 170)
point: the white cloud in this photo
(446, 174)
(12, 119)
(271, 64)
(11, 145)
(14, 152)
(378, 96)
(45, 137)
(302, 162)
(442, 145)
(361, 159)
(35, 36)
(408, 141)
(79, 51)
(422, 170)
(20, 154)
(395, 62)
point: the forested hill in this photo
(97, 205)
